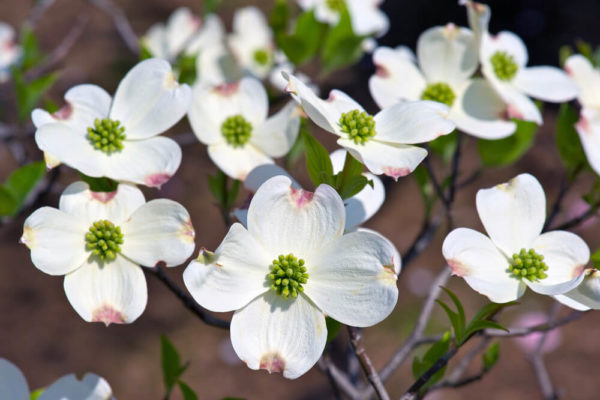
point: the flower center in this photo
(103, 240)
(504, 65)
(336, 5)
(106, 135)
(261, 56)
(440, 92)
(236, 130)
(359, 126)
(287, 276)
(529, 265)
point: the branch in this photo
(545, 327)
(564, 188)
(121, 23)
(414, 389)
(423, 238)
(366, 364)
(338, 379)
(187, 301)
(591, 212)
(38, 11)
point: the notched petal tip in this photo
(272, 362)
(396, 172)
(187, 232)
(170, 81)
(28, 237)
(103, 197)
(458, 269)
(301, 197)
(388, 274)
(157, 180)
(108, 315)
(64, 112)
(227, 89)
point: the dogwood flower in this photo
(13, 386)
(117, 138)
(183, 33)
(381, 142)
(99, 240)
(447, 59)
(367, 18)
(231, 119)
(9, 50)
(292, 265)
(587, 79)
(252, 42)
(586, 296)
(504, 63)
(516, 255)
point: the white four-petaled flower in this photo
(9, 50)
(289, 268)
(516, 254)
(117, 138)
(383, 143)
(13, 386)
(99, 240)
(232, 120)
(447, 59)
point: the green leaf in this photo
(595, 257)
(232, 193)
(210, 6)
(476, 326)
(31, 53)
(279, 16)
(458, 320)
(30, 93)
(454, 320)
(491, 309)
(216, 184)
(145, 52)
(435, 352)
(186, 65)
(350, 180)
(188, 393)
(505, 151)
(342, 47)
(318, 162)
(36, 393)
(99, 184)
(567, 139)
(171, 364)
(8, 204)
(23, 180)
(298, 147)
(585, 49)
(491, 356)
(333, 328)
(445, 146)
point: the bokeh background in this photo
(42, 334)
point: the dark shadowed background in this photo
(42, 334)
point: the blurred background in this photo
(42, 334)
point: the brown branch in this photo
(366, 364)
(338, 379)
(121, 23)
(545, 327)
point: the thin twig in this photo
(121, 23)
(338, 379)
(455, 164)
(414, 389)
(547, 326)
(436, 184)
(591, 212)
(564, 188)
(187, 300)
(366, 364)
(422, 239)
(464, 362)
(38, 11)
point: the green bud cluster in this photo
(261, 56)
(504, 65)
(336, 5)
(287, 276)
(529, 265)
(106, 135)
(236, 130)
(359, 125)
(440, 92)
(103, 240)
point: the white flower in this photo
(13, 386)
(513, 215)
(183, 33)
(447, 59)
(9, 50)
(586, 295)
(99, 240)
(367, 18)
(282, 64)
(504, 63)
(252, 42)
(383, 143)
(117, 138)
(231, 119)
(279, 324)
(587, 79)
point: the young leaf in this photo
(342, 47)
(491, 309)
(333, 328)
(303, 44)
(216, 184)
(435, 352)
(8, 204)
(318, 162)
(171, 364)
(505, 151)
(491, 356)
(454, 320)
(22, 181)
(232, 194)
(476, 326)
(30, 93)
(188, 393)
(567, 139)
(186, 64)
(350, 180)
(279, 17)
(99, 184)
(31, 53)
(595, 258)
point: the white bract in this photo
(447, 59)
(504, 63)
(367, 18)
(184, 33)
(9, 50)
(516, 254)
(252, 42)
(99, 240)
(588, 127)
(231, 119)
(586, 296)
(383, 143)
(289, 268)
(13, 386)
(117, 138)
